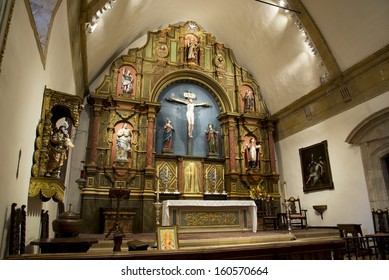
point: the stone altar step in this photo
(212, 240)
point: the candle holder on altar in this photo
(288, 220)
(158, 206)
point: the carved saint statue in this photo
(123, 143)
(168, 131)
(59, 145)
(212, 139)
(192, 50)
(253, 153)
(249, 101)
(127, 81)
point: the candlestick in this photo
(157, 192)
(158, 206)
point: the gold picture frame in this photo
(167, 238)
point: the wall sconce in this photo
(320, 209)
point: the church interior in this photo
(204, 129)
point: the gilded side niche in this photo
(60, 111)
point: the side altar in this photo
(210, 215)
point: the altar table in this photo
(210, 215)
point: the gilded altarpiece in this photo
(175, 119)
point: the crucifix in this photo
(116, 228)
(190, 105)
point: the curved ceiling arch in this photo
(276, 46)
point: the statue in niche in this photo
(253, 153)
(212, 139)
(127, 81)
(59, 145)
(123, 143)
(168, 131)
(249, 101)
(192, 49)
(190, 105)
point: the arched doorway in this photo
(372, 135)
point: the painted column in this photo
(270, 131)
(231, 140)
(150, 139)
(95, 133)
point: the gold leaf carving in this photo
(200, 218)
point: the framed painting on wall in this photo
(167, 238)
(315, 167)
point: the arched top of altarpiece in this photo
(164, 59)
(198, 78)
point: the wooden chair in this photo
(45, 224)
(17, 232)
(380, 238)
(270, 217)
(296, 213)
(380, 220)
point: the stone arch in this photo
(372, 135)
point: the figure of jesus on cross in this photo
(189, 109)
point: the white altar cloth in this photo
(166, 204)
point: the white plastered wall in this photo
(348, 202)
(22, 82)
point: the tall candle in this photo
(157, 192)
(286, 192)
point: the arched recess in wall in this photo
(196, 77)
(372, 136)
(205, 90)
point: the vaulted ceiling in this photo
(290, 52)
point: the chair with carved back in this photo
(44, 224)
(380, 220)
(297, 215)
(17, 232)
(380, 238)
(270, 218)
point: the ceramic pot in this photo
(68, 224)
